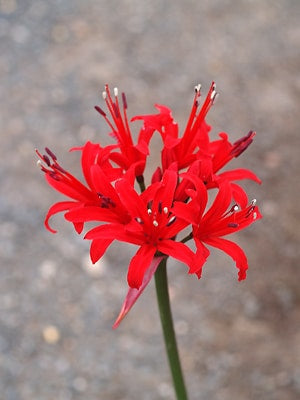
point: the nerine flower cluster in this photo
(163, 217)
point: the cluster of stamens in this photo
(212, 94)
(154, 215)
(249, 211)
(242, 144)
(121, 127)
(106, 202)
(50, 165)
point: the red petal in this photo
(239, 195)
(56, 208)
(73, 188)
(139, 264)
(220, 204)
(234, 251)
(133, 294)
(178, 250)
(130, 198)
(93, 213)
(201, 256)
(98, 248)
(238, 174)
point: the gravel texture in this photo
(237, 340)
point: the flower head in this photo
(152, 226)
(221, 219)
(156, 217)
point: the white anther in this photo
(236, 208)
(116, 91)
(39, 163)
(213, 95)
(139, 220)
(198, 88)
(155, 223)
(253, 202)
(149, 211)
(254, 215)
(104, 95)
(165, 210)
(171, 220)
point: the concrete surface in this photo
(237, 340)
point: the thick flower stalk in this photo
(165, 216)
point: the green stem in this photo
(162, 292)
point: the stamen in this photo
(216, 95)
(212, 95)
(104, 95)
(233, 225)
(60, 169)
(155, 223)
(165, 210)
(124, 101)
(159, 207)
(106, 201)
(253, 202)
(51, 154)
(39, 163)
(116, 111)
(54, 176)
(100, 111)
(47, 160)
(149, 211)
(116, 91)
(139, 220)
(233, 209)
(171, 220)
(198, 88)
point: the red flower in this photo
(153, 219)
(181, 150)
(97, 172)
(153, 226)
(195, 144)
(219, 220)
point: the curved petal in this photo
(201, 256)
(93, 213)
(71, 187)
(133, 294)
(234, 251)
(239, 174)
(239, 195)
(98, 248)
(130, 199)
(139, 264)
(178, 250)
(56, 208)
(220, 204)
(115, 231)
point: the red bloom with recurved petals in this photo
(195, 144)
(219, 220)
(97, 171)
(153, 226)
(156, 218)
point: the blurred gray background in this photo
(237, 340)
